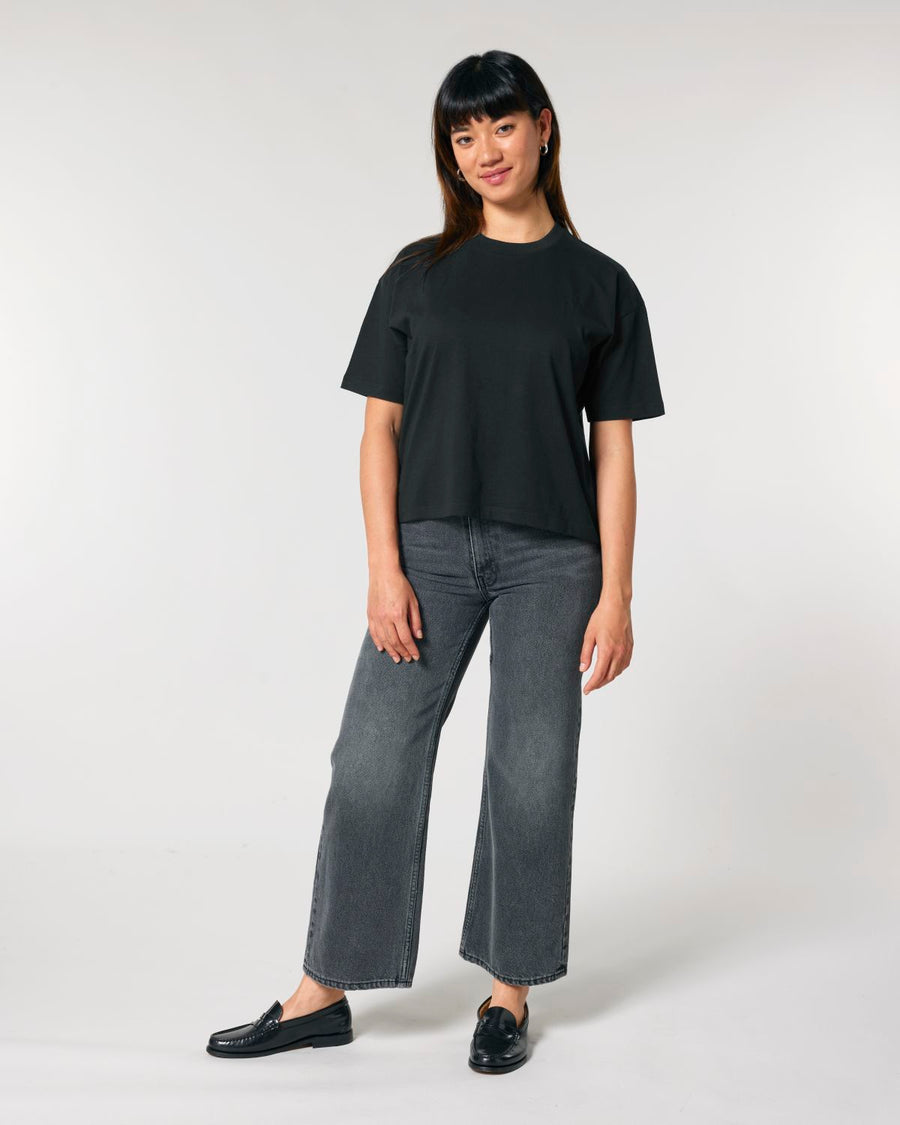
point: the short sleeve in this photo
(622, 380)
(378, 363)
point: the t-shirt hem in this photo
(506, 514)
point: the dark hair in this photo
(488, 85)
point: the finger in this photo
(415, 618)
(402, 637)
(386, 641)
(406, 638)
(601, 669)
(398, 628)
(393, 640)
(621, 659)
(587, 652)
(618, 664)
(615, 665)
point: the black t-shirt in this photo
(494, 352)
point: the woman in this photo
(480, 348)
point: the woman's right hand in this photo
(393, 613)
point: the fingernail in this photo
(419, 633)
(581, 667)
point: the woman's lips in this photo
(497, 177)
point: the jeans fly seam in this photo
(423, 803)
(478, 581)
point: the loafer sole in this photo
(500, 1069)
(337, 1040)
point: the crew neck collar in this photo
(498, 246)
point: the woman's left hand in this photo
(609, 631)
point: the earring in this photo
(459, 174)
(545, 148)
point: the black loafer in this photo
(498, 1045)
(328, 1027)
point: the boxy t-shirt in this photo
(495, 351)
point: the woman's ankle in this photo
(313, 987)
(310, 996)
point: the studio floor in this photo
(734, 1001)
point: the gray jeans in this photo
(538, 589)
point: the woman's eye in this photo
(459, 140)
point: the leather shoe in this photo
(498, 1044)
(330, 1026)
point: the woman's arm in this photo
(393, 609)
(609, 629)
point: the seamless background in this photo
(196, 201)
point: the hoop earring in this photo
(459, 174)
(545, 148)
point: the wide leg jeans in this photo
(537, 589)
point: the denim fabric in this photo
(537, 589)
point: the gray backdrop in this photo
(197, 199)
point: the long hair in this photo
(489, 85)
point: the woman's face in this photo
(500, 158)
